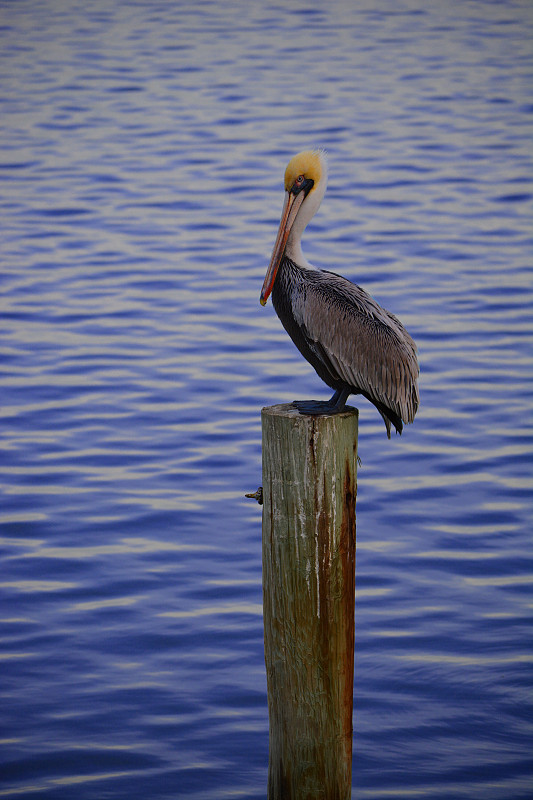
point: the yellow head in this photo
(305, 184)
(309, 164)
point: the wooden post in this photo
(309, 491)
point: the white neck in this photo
(309, 207)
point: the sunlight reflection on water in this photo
(143, 152)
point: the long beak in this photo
(291, 207)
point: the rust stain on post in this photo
(309, 488)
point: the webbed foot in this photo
(314, 407)
(322, 407)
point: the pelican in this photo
(355, 345)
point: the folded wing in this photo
(359, 342)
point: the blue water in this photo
(142, 151)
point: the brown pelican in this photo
(355, 345)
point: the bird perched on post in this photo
(355, 345)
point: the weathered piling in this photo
(309, 491)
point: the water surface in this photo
(143, 148)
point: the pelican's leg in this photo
(319, 407)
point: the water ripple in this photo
(142, 159)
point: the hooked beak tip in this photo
(262, 301)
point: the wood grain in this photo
(309, 493)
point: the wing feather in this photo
(367, 346)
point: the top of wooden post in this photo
(288, 410)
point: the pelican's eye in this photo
(302, 184)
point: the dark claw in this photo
(334, 405)
(315, 407)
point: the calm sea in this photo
(143, 145)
